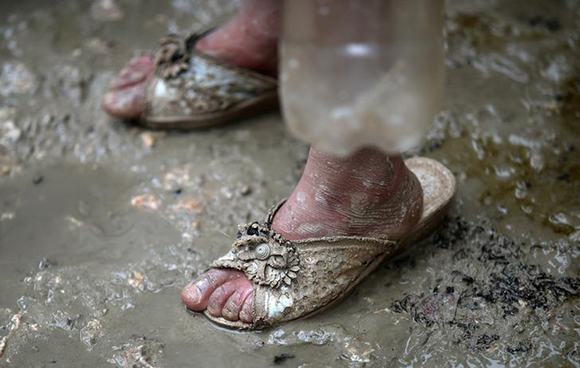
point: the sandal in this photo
(191, 90)
(298, 279)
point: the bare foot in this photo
(248, 40)
(367, 194)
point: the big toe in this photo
(125, 103)
(196, 294)
(137, 70)
(125, 94)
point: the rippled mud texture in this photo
(102, 223)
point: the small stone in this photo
(5, 170)
(46, 263)
(7, 216)
(137, 280)
(575, 236)
(246, 189)
(98, 46)
(189, 205)
(148, 140)
(91, 332)
(279, 359)
(145, 201)
(106, 10)
(16, 78)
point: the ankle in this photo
(369, 193)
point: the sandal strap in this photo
(266, 257)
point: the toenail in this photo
(201, 285)
(193, 293)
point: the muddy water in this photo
(102, 223)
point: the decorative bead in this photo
(262, 251)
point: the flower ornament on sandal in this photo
(266, 257)
(171, 57)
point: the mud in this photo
(102, 223)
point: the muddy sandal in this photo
(297, 279)
(191, 90)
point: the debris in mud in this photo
(279, 359)
(37, 179)
(13, 326)
(7, 216)
(138, 353)
(9, 134)
(106, 10)
(65, 321)
(137, 281)
(98, 46)
(178, 177)
(91, 332)
(357, 351)
(46, 263)
(489, 287)
(315, 337)
(192, 206)
(246, 190)
(148, 140)
(16, 78)
(145, 201)
(520, 347)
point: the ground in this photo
(102, 222)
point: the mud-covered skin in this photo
(81, 266)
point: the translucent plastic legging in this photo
(360, 73)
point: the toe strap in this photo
(267, 258)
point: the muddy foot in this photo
(367, 194)
(249, 40)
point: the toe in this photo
(124, 103)
(233, 306)
(135, 72)
(196, 294)
(123, 100)
(220, 296)
(246, 314)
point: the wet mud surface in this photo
(102, 222)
